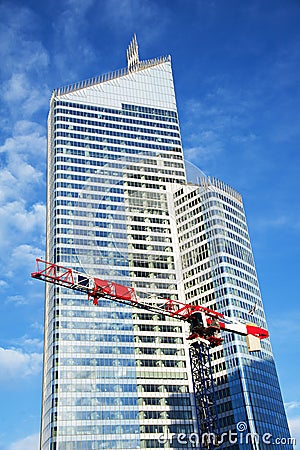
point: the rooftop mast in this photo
(132, 54)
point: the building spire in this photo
(132, 54)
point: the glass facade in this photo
(119, 208)
(219, 272)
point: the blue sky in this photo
(236, 67)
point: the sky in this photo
(236, 68)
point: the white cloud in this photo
(18, 179)
(128, 13)
(288, 324)
(292, 405)
(22, 260)
(27, 344)
(220, 119)
(28, 220)
(24, 161)
(286, 219)
(16, 364)
(19, 225)
(23, 146)
(23, 89)
(22, 213)
(292, 409)
(17, 47)
(28, 443)
(201, 125)
(27, 137)
(25, 253)
(37, 326)
(31, 343)
(17, 300)
(294, 424)
(244, 138)
(79, 6)
(202, 152)
(22, 240)
(71, 31)
(15, 89)
(21, 92)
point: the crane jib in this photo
(97, 288)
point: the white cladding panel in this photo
(151, 87)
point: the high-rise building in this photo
(119, 207)
(218, 271)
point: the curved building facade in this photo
(119, 208)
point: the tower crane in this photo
(205, 327)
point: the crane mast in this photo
(205, 325)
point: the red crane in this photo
(205, 325)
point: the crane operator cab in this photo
(204, 327)
(198, 323)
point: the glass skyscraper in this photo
(119, 207)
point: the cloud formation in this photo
(28, 443)
(20, 229)
(127, 13)
(22, 188)
(294, 424)
(22, 96)
(20, 51)
(22, 161)
(218, 120)
(292, 405)
(16, 364)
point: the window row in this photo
(120, 143)
(66, 416)
(92, 223)
(102, 443)
(92, 232)
(157, 328)
(101, 125)
(99, 362)
(160, 363)
(161, 375)
(97, 135)
(94, 325)
(127, 109)
(105, 158)
(225, 198)
(92, 337)
(88, 243)
(92, 186)
(105, 169)
(114, 122)
(94, 430)
(172, 153)
(100, 401)
(95, 373)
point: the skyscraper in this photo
(119, 207)
(218, 271)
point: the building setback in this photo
(119, 207)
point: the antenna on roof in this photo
(132, 54)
